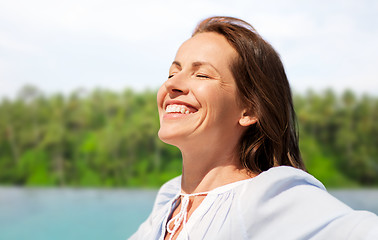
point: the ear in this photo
(247, 118)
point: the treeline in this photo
(109, 139)
(339, 137)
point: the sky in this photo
(62, 46)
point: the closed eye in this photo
(202, 76)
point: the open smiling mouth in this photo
(181, 109)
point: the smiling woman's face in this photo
(198, 103)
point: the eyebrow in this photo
(176, 63)
(196, 64)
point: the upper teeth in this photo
(177, 108)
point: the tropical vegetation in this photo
(109, 139)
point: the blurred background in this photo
(78, 81)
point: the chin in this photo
(172, 137)
(166, 136)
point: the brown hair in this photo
(264, 90)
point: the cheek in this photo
(160, 99)
(160, 96)
(220, 103)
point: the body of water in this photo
(65, 214)
(72, 214)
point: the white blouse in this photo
(281, 203)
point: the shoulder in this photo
(285, 177)
(283, 197)
(172, 187)
(151, 228)
(167, 192)
(283, 185)
(277, 181)
(290, 188)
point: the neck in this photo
(204, 171)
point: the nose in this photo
(176, 85)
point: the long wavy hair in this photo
(264, 90)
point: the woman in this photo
(227, 106)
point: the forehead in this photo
(207, 47)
